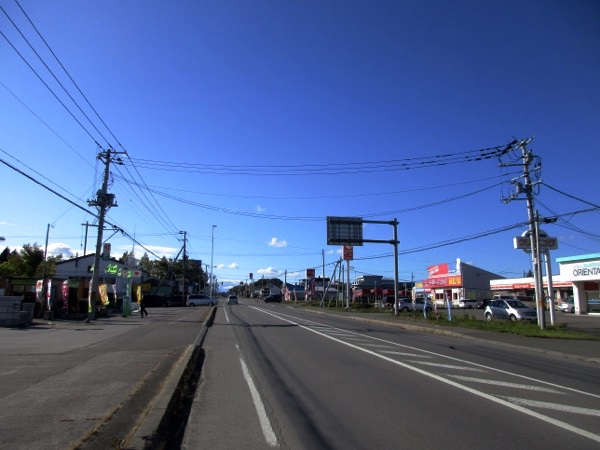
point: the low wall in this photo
(12, 313)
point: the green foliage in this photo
(28, 262)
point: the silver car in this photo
(200, 300)
(406, 304)
(567, 305)
(509, 309)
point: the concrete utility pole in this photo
(212, 254)
(527, 187)
(184, 264)
(103, 202)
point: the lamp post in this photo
(212, 254)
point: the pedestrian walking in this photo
(143, 308)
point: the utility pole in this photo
(527, 187)
(184, 264)
(104, 201)
(212, 254)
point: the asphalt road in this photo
(66, 384)
(278, 377)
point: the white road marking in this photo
(528, 387)
(447, 366)
(555, 406)
(524, 377)
(498, 400)
(382, 346)
(265, 423)
(412, 355)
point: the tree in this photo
(33, 257)
(12, 266)
(4, 255)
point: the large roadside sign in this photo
(344, 230)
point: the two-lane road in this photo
(281, 377)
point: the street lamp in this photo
(212, 254)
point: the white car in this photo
(509, 309)
(232, 300)
(200, 300)
(567, 305)
(467, 303)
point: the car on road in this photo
(273, 298)
(509, 309)
(481, 304)
(567, 305)
(387, 302)
(406, 304)
(232, 300)
(200, 300)
(466, 303)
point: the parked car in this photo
(200, 300)
(406, 304)
(273, 298)
(387, 302)
(567, 305)
(467, 303)
(232, 300)
(481, 304)
(509, 309)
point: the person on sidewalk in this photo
(143, 308)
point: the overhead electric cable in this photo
(46, 84)
(70, 78)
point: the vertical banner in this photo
(39, 291)
(65, 295)
(48, 294)
(449, 303)
(103, 291)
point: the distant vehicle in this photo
(481, 304)
(388, 302)
(232, 300)
(200, 300)
(509, 309)
(151, 300)
(567, 305)
(273, 298)
(466, 303)
(406, 304)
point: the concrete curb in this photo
(151, 427)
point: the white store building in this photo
(584, 272)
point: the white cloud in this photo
(275, 242)
(269, 271)
(260, 209)
(233, 266)
(168, 252)
(59, 248)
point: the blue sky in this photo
(265, 117)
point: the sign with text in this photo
(546, 243)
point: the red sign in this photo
(348, 253)
(438, 269)
(440, 282)
(310, 273)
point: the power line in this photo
(331, 169)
